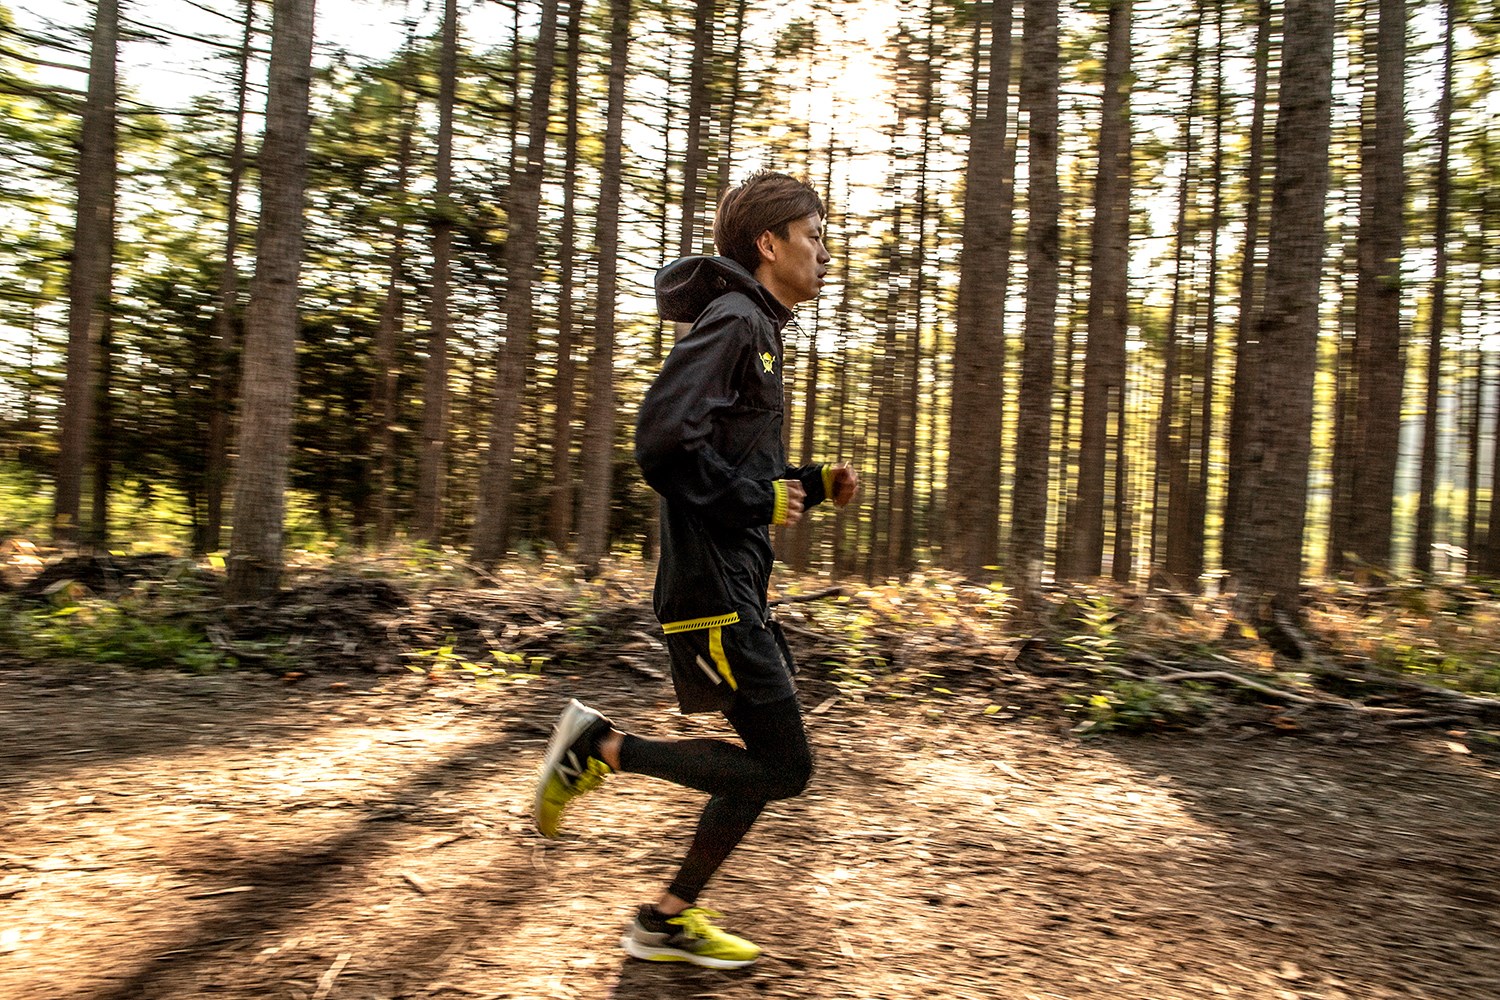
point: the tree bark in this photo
(729, 119)
(1039, 99)
(1426, 503)
(388, 335)
(1168, 495)
(1279, 437)
(974, 440)
(264, 443)
(1247, 347)
(432, 461)
(1380, 348)
(695, 159)
(599, 425)
(89, 278)
(1104, 355)
(493, 520)
(225, 373)
(564, 404)
(1198, 515)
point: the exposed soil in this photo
(367, 836)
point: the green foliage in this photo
(127, 633)
(448, 660)
(1098, 640)
(25, 508)
(1457, 668)
(1128, 706)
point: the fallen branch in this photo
(1229, 677)
(1423, 721)
(1404, 684)
(221, 641)
(806, 633)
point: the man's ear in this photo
(766, 245)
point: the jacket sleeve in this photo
(674, 430)
(817, 481)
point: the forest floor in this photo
(301, 831)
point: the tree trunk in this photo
(599, 426)
(264, 442)
(560, 516)
(974, 439)
(1472, 421)
(695, 160)
(1341, 477)
(1489, 555)
(1279, 436)
(224, 373)
(1198, 515)
(493, 520)
(89, 279)
(387, 370)
(906, 558)
(1039, 99)
(729, 119)
(1104, 356)
(1247, 347)
(432, 461)
(1168, 498)
(1122, 561)
(887, 388)
(1380, 349)
(1426, 515)
(1061, 558)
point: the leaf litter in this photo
(333, 824)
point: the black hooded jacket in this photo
(708, 439)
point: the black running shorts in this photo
(715, 667)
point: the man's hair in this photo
(764, 200)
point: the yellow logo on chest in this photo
(768, 360)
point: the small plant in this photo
(96, 631)
(1127, 706)
(509, 668)
(1450, 668)
(1098, 640)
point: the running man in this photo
(708, 440)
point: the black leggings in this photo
(775, 763)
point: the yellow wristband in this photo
(782, 501)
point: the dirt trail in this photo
(170, 836)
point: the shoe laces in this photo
(593, 773)
(698, 922)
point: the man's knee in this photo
(792, 777)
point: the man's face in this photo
(792, 269)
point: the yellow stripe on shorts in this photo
(716, 650)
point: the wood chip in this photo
(221, 892)
(325, 984)
(1012, 772)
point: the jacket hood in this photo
(686, 287)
